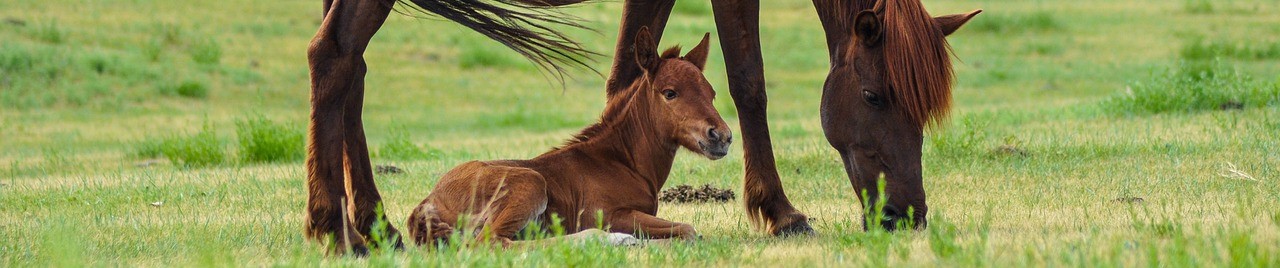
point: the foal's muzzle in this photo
(716, 144)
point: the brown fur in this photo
(615, 167)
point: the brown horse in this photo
(890, 79)
(613, 169)
(338, 165)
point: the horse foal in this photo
(613, 169)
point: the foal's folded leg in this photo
(650, 227)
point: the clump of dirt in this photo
(1231, 105)
(387, 169)
(15, 22)
(688, 194)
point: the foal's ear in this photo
(951, 23)
(867, 27)
(698, 55)
(646, 50)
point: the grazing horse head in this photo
(673, 99)
(891, 80)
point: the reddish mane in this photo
(918, 62)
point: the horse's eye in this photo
(669, 94)
(872, 98)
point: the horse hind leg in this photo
(336, 62)
(635, 14)
(520, 198)
(427, 226)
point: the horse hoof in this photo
(360, 251)
(797, 228)
(399, 245)
(618, 239)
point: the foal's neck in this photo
(632, 140)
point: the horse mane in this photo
(615, 106)
(918, 62)
(612, 111)
(671, 52)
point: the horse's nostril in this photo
(891, 212)
(711, 133)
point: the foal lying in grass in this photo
(613, 169)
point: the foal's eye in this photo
(669, 94)
(872, 98)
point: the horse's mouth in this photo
(714, 150)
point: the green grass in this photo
(1065, 112)
(1196, 86)
(49, 32)
(400, 147)
(692, 8)
(206, 52)
(1209, 7)
(1241, 50)
(262, 140)
(476, 54)
(1005, 23)
(200, 149)
(191, 89)
(1198, 6)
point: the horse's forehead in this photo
(681, 71)
(683, 74)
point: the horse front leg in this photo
(336, 61)
(738, 23)
(635, 14)
(365, 204)
(647, 226)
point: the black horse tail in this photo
(520, 25)
(549, 3)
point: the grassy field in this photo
(1086, 133)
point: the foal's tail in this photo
(425, 226)
(524, 29)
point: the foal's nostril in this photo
(712, 134)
